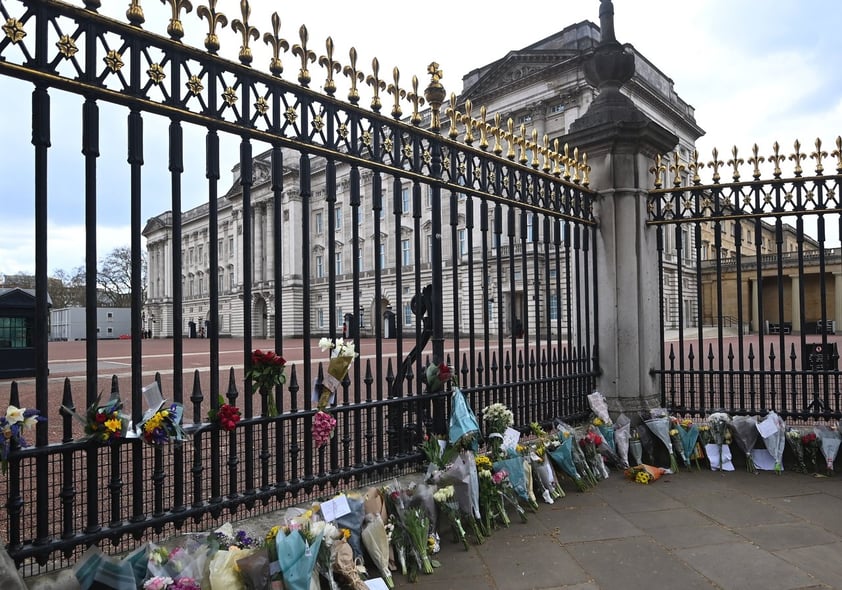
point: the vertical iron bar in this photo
(305, 193)
(439, 418)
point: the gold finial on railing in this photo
(510, 138)
(586, 170)
(435, 93)
(817, 156)
(534, 148)
(797, 157)
(566, 161)
(355, 76)
(495, 131)
(246, 30)
(556, 158)
(468, 121)
(215, 19)
(521, 141)
(397, 94)
(327, 62)
(837, 153)
(659, 170)
(755, 160)
(735, 163)
(454, 117)
(676, 168)
(695, 166)
(776, 158)
(417, 100)
(175, 29)
(377, 85)
(135, 13)
(545, 153)
(716, 164)
(575, 165)
(304, 54)
(483, 128)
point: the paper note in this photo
(767, 428)
(335, 508)
(376, 584)
(763, 459)
(510, 438)
(712, 451)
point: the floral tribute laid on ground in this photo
(483, 475)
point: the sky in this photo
(755, 72)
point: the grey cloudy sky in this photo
(754, 71)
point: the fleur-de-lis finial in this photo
(483, 128)
(755, 160)
(175, 28)
(510, 138)
(798, 157)
(776, 158)
(837, 153)
(397, 94)
(566, 161)
(586, 170)
(277, 43)
(716, 164)
(735, 163)
(521, 141)
(377, 84)
(556, 158)
(454, 116)
(468, 122)
(695, 166)
(331, 66)
(304, 54)
(355, 76)
(215, 19)
(534, 147)
(434, 94)
(495, 131)
(658, 170)
(135, 13)
(417, 100)
(575, 165)
(545, 152)
(677, 168)
(817, 156)
(247, 31)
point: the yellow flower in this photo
(642, 477)
(114, 424)
(273, 532)
(308, 514)
(598, 421)
(673, 432)
(483, 462)
(316, 507)
(346, 534)
(565, 434)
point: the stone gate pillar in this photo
(621, 143)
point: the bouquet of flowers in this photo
(602, 420)
(507, 494)
(13, 425)
(464, 427)
(810, 442)
(414, 524)
(829, 440)
(298, 550)
(179, 568)
(228, 548)
(519, 477)
(773, 431)
(342, 354)
(562, 455)
(104, 423)
(542, 466)
(636, 447)
(745, 432)
(496, 417)
(448, 505)
(659, 424)
(794, 442)
(225, 416)
(267, 372)
(589, 444)
(721, 435)
(438, 376)
(491, 506)
(645, 474)
(622, 438)
(678, 443)
(461, 473)
(161, 423)
(688, 433)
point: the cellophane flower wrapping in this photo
(97, 570)
(104, 422)
(187, 560)
(599, 407)
(688, 432)
(622, 436)
(829, 440)
(647, 443)
(773, 430)
(721, 435)
(223, 572)
(13, 426)
(297, 556)
(644, 474)
(161, 423)
(449, 510)
(345, 565)
(678, 443)
(353, 521)
(464, 426)
(562, 455)
(461, 473)
(514, 466)
(421, 496)
(659, 425)
(744, 430)
(793, 441)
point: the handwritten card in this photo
(335, 508)
(767, 428)
(712, 451)
(510, 438)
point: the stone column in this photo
(621, 143)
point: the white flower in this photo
(325, 344)
(14, 415)
(719, 416)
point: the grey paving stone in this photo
(635, 563)
(735, 510)
(679, 537)
(592, 524)
(632, 497)
(822, 562)
(532, 562)
(823, 510)
(675, 517)
(744, 566)
(775, 537)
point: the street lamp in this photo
(362, 325)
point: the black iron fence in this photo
(496, 272)
(750, 287)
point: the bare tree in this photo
(67, 289)
(114, 279)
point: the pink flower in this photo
(499, 476)
(158, 583)
(323, 425)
